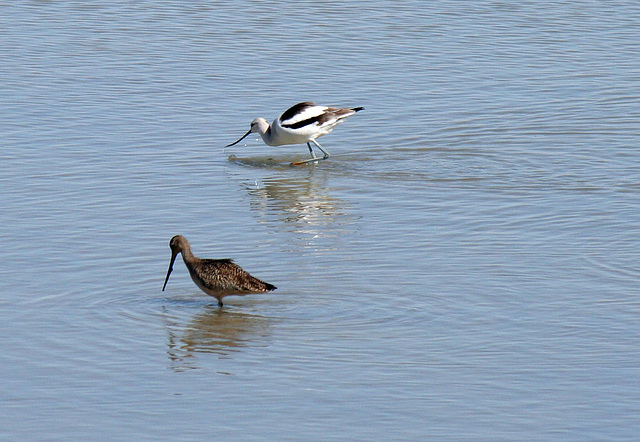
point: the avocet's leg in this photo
(326, 154)
(313, 155)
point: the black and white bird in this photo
(300, 124)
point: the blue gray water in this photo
(464, 267)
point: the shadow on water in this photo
(212, 330)
(269, 162)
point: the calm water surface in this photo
(464, 267)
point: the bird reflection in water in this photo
(303, 203)
(215, 331)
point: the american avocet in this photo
(300, 124)
(215, 277)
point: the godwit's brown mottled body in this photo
(215, 277)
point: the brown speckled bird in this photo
(215, 277)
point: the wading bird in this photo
(300, 124)
(215, 277)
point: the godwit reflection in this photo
(216, 331)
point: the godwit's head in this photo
(178, 244)
(259, 126)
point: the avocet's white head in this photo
(259, 126)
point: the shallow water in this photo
(464, 266)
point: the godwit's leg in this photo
(314, 158)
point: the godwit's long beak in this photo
(173, 258)
(243, 137)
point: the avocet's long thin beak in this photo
(243, 137)
(173, 258)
